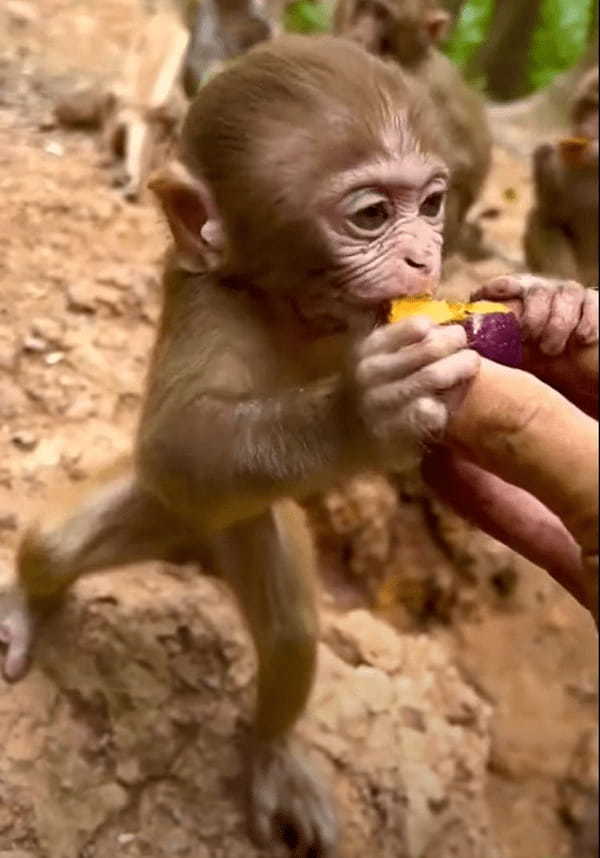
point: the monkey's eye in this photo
(369, 214)
(431, 205)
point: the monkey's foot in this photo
(18, 623)
(288, 803)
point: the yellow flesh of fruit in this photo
(442, 312)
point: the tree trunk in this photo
(546, 111)
(503, 58)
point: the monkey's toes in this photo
(17, 643)
(289, 805)
(16, 634)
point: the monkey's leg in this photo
(108, 521)
(269, 562)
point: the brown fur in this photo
(561, 236)
(405, 36)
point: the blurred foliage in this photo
(308, 16)
(558, 42)
(560, 38)
(469, 31)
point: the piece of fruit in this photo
(492, 329)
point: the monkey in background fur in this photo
(307, 196)
(561, 234)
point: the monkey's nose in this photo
(414, 264)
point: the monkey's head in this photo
(560, 167)
(402, 29)
(307, 172)
(584, 111)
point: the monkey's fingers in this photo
(537, 307)
(564, 317)
(439, 342)
(390, 338)
(503, 288)
(587, 329)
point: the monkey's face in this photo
(382, 226)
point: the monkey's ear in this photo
(192, 216)
(437, 24)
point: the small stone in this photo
(21, 13)
(80, 298)
(54, 358)
(111, 297)
(47, 329)
(34, 344)
(53, 147)
(25, 440)
(47, 123)
(8, 521)
(125, 838)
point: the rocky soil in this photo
(455, 717)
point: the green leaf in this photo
(560, 38)
(307, 16)
(469, 31)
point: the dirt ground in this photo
(79, 299)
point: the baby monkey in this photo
(307, 196)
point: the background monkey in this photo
(408, 32)
(561, 235)
(219, 31)
(584, 108)
(272, 375)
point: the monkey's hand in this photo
(289, 803)
(407, 375)
(18, 622)
(551, 311)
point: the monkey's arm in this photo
(220, 460)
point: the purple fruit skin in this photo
(496, 336)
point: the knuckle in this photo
(573, 286)
(429, 377)
(538, 288)
(503, 282)
(472, 361)
(533, 282)
(363, 372)
(427, 415)
(556, 324)
(442, 340)
(417, 325)
(365, 346)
